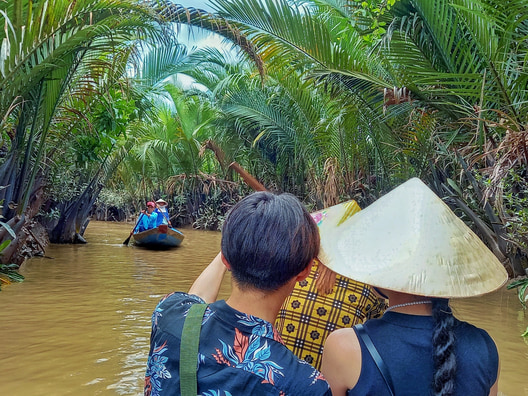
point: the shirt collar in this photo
(407, 320)
(245, 322)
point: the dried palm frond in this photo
(331, 184)
(512, 152)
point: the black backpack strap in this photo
(190, 341)
(362, 333)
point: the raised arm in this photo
(207, 285)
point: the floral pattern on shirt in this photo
(239, 354)
(248, 354)
(156, 371)
(216, 393)
(259, 327)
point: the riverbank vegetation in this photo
(327, 99)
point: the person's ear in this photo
(304, 273)
(228, 266)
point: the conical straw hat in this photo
(410, 241)
(329, 220)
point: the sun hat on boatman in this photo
(410, 241)
(161, 202)
(150, 203)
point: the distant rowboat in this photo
(161, 237)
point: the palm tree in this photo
(320, 45)
(446, 77)
(467, 70)
(52, 51)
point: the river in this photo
(80, 322)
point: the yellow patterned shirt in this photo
(307, 318)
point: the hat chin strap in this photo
(378, 290)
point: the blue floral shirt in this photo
(239, 354)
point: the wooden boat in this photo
(161, 237)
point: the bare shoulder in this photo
(342, 360)
(345, 338)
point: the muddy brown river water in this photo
(80, 322)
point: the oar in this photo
(131, 232)
(164, 216)
(247, 177)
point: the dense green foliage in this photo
(64, 104)
(434, 89)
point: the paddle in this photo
(164, 216)
(131, 232)
(248, 178)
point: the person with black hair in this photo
(230, 348)
(412, 248)
(325, 301)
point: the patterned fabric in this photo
(239, 354)
(307, 318)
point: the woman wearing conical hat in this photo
(419, 253)
(325, 301)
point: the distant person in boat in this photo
(325, 301)
(162, 213)
(148, 218)
(268, 244)
(418, 252)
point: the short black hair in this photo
(268, 239)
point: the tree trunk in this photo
(8, 254)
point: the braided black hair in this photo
(443, 349)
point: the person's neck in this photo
(262, 304)
(409, 303)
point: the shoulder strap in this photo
(190, 340)
(362, 333)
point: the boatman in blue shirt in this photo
(268, 244)
(148, 218)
